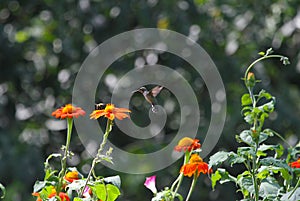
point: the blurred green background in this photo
(43, 44)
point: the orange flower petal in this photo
(295, 164)
(187, 143)
(96, 114)
(68, 111)
(71, 176)
(195, 166)
(110, 112)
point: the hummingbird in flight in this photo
(150, 95)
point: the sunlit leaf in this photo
(269, 188)
(222, 176)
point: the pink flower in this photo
(150, 184)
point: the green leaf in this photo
(115, 180)
(39, 185)
(277, 148)
(218, 158)
(77, 199)
(295, 196)
(107, 192)
(261, 53)
(246, 137)
(245, 182)
(264, 94)
(246, 152)
(269, 188)
(46, 192)
(222, 156)
(76, 185)
(246, 100)
(113, 192)
(222, 176)
(262, 137)
(2, 188)
(268, 107)
(263, 172)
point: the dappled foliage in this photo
(43, 44)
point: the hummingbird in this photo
(99, 106)
(150, 95)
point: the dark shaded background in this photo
(43, 44)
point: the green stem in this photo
(97, 159)
(65, 156)
(179, 179)
(258, 60)
(297, 185)
(256, 139)
(192, 186)
(284, 140)
(254, 179)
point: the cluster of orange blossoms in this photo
(62, 196)
(110, 111)
(70, 111)
(195, 164)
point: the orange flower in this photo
(195, 166)
(63, 196)
(187, 143)
(68, 111)
(110, 112)
(295, 164)
(71, 176)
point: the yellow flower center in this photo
(195, 158)
(72, 175)
(109, 108)
(68, 109)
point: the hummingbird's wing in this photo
(155, 91)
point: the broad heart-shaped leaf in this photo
(277, 148)
(265, 171)
(107, 192)
(246, 100)
(115, 180)
(246, 152)
(218, 158)
(222, 176)
(222, 156)
(269, 188)
(268, 107)
(295, 196)
(39, 185)
(244, 180)
(246, 137)
(264, 94)
(270, 161)
(76, 185)
(45, 192)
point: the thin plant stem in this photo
(258, 60)
(297, 185)
(97, 159)
(65, 156)
(179, 179)
(192, 186)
